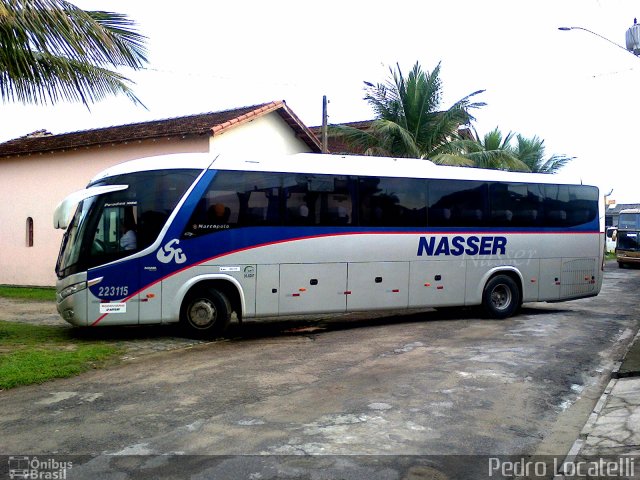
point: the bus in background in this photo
(182, 238)
(628, 237)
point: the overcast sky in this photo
(577, 91)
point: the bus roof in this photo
(326, 164)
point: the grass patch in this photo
(28, 293)
(37, 353)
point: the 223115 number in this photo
(113, 291)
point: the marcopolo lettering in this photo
(459, 245)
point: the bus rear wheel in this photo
(501, 297)
(205, 312)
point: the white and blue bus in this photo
(179, 238)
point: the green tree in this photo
(51, 50)
(409, 122)
(493, 151)
(531, 151)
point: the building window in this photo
(29, 232)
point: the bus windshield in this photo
(629, 220)
(119, 223)
(629, 241)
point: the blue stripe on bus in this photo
(204, 249)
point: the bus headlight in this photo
(71, 289)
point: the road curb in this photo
(616, 374)
(629, 366)
(575, 449)
(597, 409)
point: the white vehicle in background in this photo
(610, 240)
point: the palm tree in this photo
(531, 151)
(492, 151)
(51, 50)
(408, 120)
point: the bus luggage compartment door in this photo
(378, 285)
(313, 287)
(438, 283)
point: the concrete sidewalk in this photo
(613, 429)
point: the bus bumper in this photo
(628, 257)
(71, 301)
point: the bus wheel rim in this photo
(202, 313)
(501, 297)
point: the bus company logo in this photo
(33, 468)
(458, 245)
(169, 253)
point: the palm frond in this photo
(532, 152)
(53, 79)
(497, 160)
(451, 159)
(397, 140)
(34, 32)
(358, 140)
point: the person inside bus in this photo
(128, 240)
(218, 213)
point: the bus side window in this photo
(392, 201)
(459, 203)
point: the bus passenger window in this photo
(392, 201)
(237, 199)
(460, 203)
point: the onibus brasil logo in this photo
(34, 468)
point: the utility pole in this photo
(324, 134)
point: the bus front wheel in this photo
(205, 312)
(501, 297)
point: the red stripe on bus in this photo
(312, 237)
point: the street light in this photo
(633, 37)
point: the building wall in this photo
(266, 135)
(33, 185)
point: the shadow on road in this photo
(304, 326)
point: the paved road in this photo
(381, 387)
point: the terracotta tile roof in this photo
(337, 145)
(193, 125)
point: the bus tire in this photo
(501, 297)
(205, 312)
